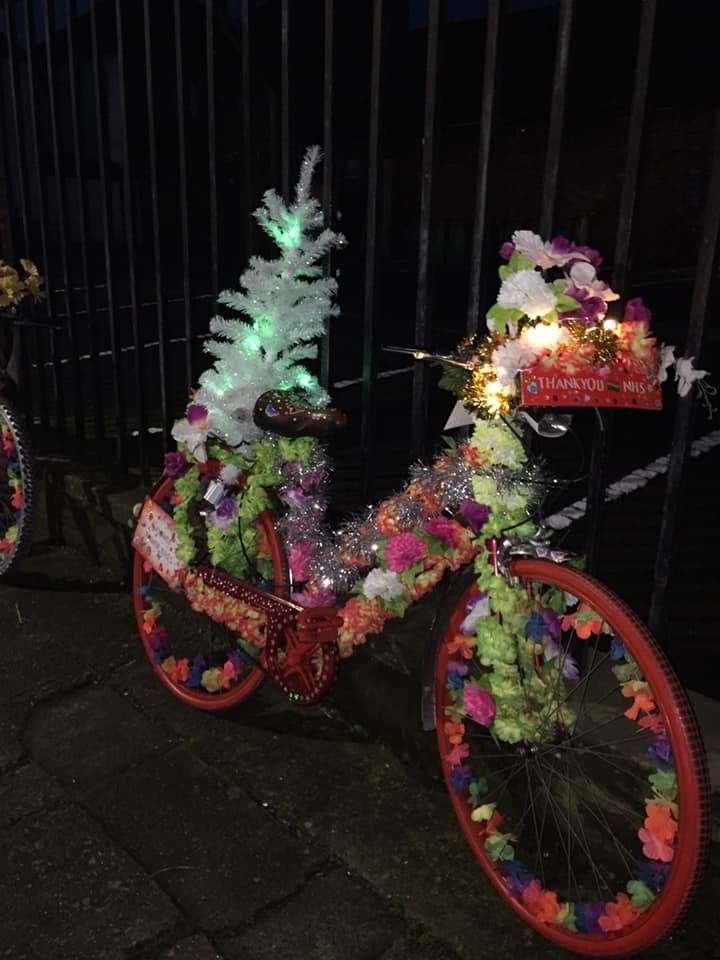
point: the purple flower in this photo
(456, 671)
(295, 497)
(517, 876)
(475, 514)
(660, 751)
(570, 668)
(198, 668)
(562, 247)
(587, 916)
(636, 312)
(590, 308)
(403, 550)
(175, 464)
(653, 873)
(507, 250)
(617, 650)
(196, 412)
(552, 622)
(224, 514)
(461, 777)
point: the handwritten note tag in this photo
(156, 541)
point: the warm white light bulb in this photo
(543, 336)
(610, 324)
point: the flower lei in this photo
(11, 474)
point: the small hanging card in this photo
(156, 541)
(543, 386)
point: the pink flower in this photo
(314, 598)
(479, 704)
(299, 559)
(403, 550)
(444, 529)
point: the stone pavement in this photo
(134, 828)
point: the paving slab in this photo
(90, 734)
(11, 748)
(334, 917)
(218, 853)
(192, 948)
(27, 790)
(68, 893)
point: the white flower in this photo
(544, 254)
(583, 275)
(527, 291)
(480, 610)
(229, 474)
(193, 436)
(532, 246)
(686, 374)
(667, 359)
(382, 583)
(510, 358)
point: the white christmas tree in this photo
(287, 302)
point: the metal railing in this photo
(137, 138)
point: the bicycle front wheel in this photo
(16, 487)
(573, 761)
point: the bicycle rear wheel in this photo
(574, 763)
(201, 661)
(16, 487)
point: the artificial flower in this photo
(584, 277)
(527, 291)
(403, 550)
(510, 358)
(507, 250)
(475, 514)
(299, 558)
(665, 360)
(641, 896)
(459, 752)
(461, 777)
(229, 474)
(315, 598)
(543, 904)
(686, 375)
(444, 529)
(176, 464)
(384, 584)
(223, 515)
(192, 436)
(618, 914)
(654, 848)
(477, 609)
(659, 822)
(212, 680)
(478, 704)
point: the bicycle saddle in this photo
(283, 413)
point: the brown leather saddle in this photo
(283, 412)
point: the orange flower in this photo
(618, 914)
(652, 721)
(17, 500)
(541, 903)
(175, 498)
(454, 731)
(659, 822)
(643, 698)
(460, 645)
(458, 753)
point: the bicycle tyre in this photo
(195, 696)
(692, 839)
(16, 487)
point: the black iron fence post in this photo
(683, 415)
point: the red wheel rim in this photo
(693, 833)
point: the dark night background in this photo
(675, 162)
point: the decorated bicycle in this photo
(569, 749)
(16, 477)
